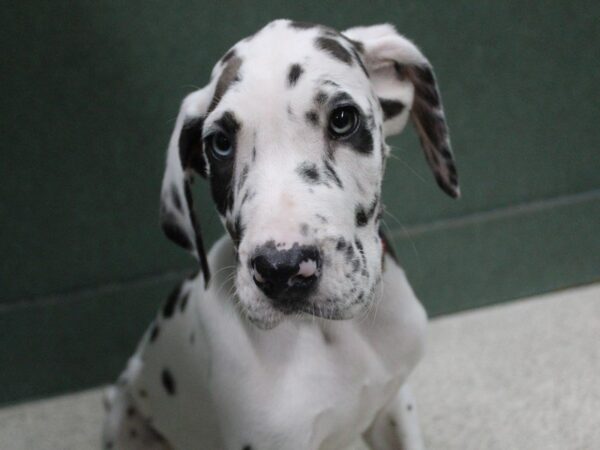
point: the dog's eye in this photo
(220, 145)
(343, 121)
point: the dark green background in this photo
(90, 91)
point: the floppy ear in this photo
(404, 81)
(184, 157)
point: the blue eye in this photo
(220, 145)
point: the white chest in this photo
(306, 384)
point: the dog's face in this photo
(290, 132)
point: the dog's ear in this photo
(185, 157)
(404, 81)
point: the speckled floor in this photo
(524, 375)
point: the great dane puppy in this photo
(308, 329)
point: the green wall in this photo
(90, 91)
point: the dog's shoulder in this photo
(396, 326)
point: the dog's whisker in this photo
(396, 157)
(404, 231)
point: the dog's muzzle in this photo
(286, 275)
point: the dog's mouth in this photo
(267, 313)
(332, 278)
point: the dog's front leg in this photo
(397, 426)
(125, 428)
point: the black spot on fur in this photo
(428, 117)
(321, 218)
(341, 244)
(169, 305)
(154, 332)
(361, 250)
(312, 118)
(361, 216)
(183, 301)
(168, 382)
(243, 177)
(176, 198)
(309, 172)
(245, 197)
(321, 98)
(391, 108)
(349, 253)
(304, 229)
(331, 83)
(228, 56)
(174, 231)
(294, 74)
(427, 86)
(332, 174)
(335, 49)
(229, 75)
(221, 173)
(191, 147)
(303, 25)
(361, 140)
(235, 230)
(358, 46)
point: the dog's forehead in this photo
(284, 41)
(287, 60)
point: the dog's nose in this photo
(286, 275)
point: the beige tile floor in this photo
(524, 375)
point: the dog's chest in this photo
(305, 383)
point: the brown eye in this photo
(343, 121)
(220, 145)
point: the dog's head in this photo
(290, 134)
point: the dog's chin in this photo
(262, 313)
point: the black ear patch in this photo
(197, 235)
(172, 211)
(190, 146)
(173, 231)
(391, 108)
(335, 49)
(428, 117)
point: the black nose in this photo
(286, 275)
